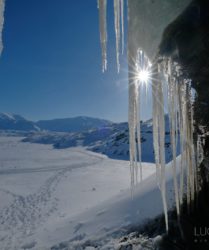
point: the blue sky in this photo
(51, 63)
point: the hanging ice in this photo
(159, 137)
(173, 115)
(122, 23)
(102, 5)
(146, 22)
(117, 29)
(2, 6)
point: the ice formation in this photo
(119, 28)
(2, 6)
(146, 23)
(102, 6)
(122, 22)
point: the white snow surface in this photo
(50, 196)
(45, 191)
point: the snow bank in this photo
(114, 215)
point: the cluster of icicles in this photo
(168, 86)
(119, 29)
(171, 85)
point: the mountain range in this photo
(76, 124)
(16, 122)
(98, 135)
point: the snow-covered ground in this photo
(48, 196)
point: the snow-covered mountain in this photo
(74, 124)
(111, 140)
(97, 135)
(16, 122)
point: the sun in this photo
(143, 76)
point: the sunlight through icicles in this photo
(168, 86)
(137, 82)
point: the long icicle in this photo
(138, 128)
(162, 148)
(102, 5)
(191, 130)
(122, 23)
(172, 107)
(2, 7)
(117, 30)
(155, 121)
(132, 131)
(181, 91)
(159, 137)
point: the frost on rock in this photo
(2, 6)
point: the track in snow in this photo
(22, 217)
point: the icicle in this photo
(159, 137)
(132, 131)
(139, 65)
(172, 107)
(139, 134)
(162, 147)
(181, 91)
(181, 119)
(117, 30)
(191, 143)
(155, 129)
(2, 7)
(199, 159)
(188, 143)
(122, 23)
(102, 5)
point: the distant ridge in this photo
(16, 122)
(75, 124)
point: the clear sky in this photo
(51, 63)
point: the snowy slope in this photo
(16, 122)
(42, 186)
(97, 135)
(100, 225)
(112, 140)
(51, 196)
